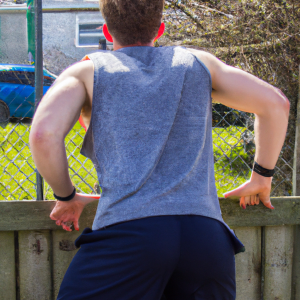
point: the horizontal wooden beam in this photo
(286, 212)
(34, 215)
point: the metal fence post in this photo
(39, 77)
(296, 192)
(102, 44)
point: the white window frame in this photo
(82, 19)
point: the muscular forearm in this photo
(270, 131)
(49, 155)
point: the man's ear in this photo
(107, 34)
(161, 31)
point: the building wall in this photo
(59, 31)
(13, 38)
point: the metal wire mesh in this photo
(260, 37)
(17, 168)
(81, 169)
(234, 150)
(233, 143)
(233, 135)
(17, 80)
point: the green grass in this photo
(231, 158)
(17, 169)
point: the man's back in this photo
(152, 111)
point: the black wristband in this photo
(262, 171)
(66, 198)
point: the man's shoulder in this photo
(212, 63)
(79, 70)
(202, 55)
(83, 71)
(205, 58)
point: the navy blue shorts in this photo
(155, 258)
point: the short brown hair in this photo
(132, 21)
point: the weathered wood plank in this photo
(63, 253)
(278, 262)
(248, 264)
(296, 264)
(34, 215)
(64, 249)
(35, 265)
(286, 212)
(7, 266)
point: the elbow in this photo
(36, 136)
(285, 101)
(287, 105)
(277, 105)
(284, 110)
(41, 139)
(37, 139)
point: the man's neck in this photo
(117, 46)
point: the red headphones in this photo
(110, 39)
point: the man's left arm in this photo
(55, 116)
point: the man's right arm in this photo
(243, 91)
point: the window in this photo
(23, 77)
(18, 77)
(89, 30)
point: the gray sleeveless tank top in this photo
(150, 136)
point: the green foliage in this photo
(260, 37)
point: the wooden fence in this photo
(35, 253)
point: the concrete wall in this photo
(13, 38)
(59, 40)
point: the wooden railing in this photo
(35, 253)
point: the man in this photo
(158, 227)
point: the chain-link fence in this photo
(260, 37)
(17, 169)
(233, 135)
(234, 150)
(18, 178)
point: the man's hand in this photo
(257, 189)
(66, 212)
